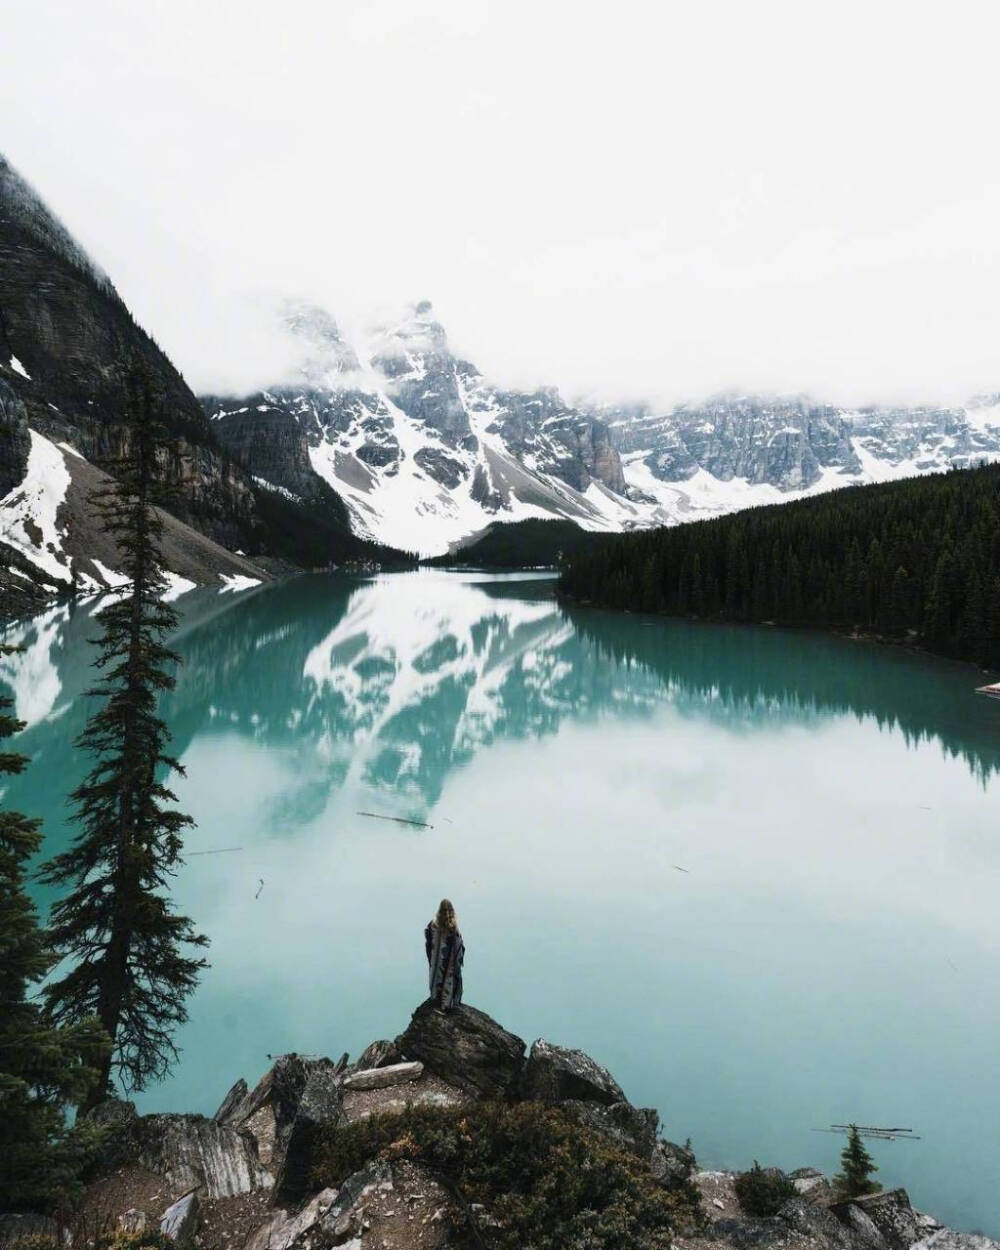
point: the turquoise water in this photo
(829, 952)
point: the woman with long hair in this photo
(445, 955)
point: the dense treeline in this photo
(916, 559)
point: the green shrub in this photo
(763, 1191)
(33, 1241)
(548, 1182)
(149, 1240)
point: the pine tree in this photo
(117, 924)
(43, 1068)
(855, 1180)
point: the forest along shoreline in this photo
(915, 561)
(453, 1134)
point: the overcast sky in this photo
(629, 199)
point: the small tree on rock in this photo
(855, 1180)
(117, 925)
(43, 1068)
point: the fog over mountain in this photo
(654, 202)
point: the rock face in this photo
(68, 347)
(190, 1152)
(554, 1073)
(400, 424)
(321, 1104)
(467, 1049)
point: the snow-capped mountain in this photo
(422, 448)
(427, 451)
(738, 451)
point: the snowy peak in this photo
(424, 450)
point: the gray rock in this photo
(380, 1078)
(672, 1165)
(345, 1216)
(231, 1102)
(948, 1239)
(864, 1234)
(890, 1213)
(268, 1111)
(321, 1106)
(378, 1054)
(190, 1151)
(631, 1127)
(467, 1049)
(555, 1073)
(180, 1220)
(133, 1220)
(284, 1230)
(816, 1223)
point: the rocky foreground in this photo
(243, 1180)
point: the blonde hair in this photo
(446, 919)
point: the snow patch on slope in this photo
(29, 513)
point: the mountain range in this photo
(377, 444)
(427, 451)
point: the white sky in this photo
(631, 199)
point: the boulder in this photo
(133, 1221)
(631, 1127)
(379, 1078)
(555, 1073)
(378, 1055)
(321, 1105)
(180, 1220)
(815, 1223)
(672, 1165)
(948, 1239)
(268, 1111)
(283, 1230)
(345, 1216)
(812, 1184)
(864, 1235)
(190, 1151)
(890, 1213)
(466, 1048)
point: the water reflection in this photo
(393, 683)
(830, 953)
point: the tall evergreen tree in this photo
(858, 1166)
(131, 965)
(43, 1068)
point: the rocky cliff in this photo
(255, 1174)
(67, 347)
(423, 448)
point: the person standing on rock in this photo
(445, 955)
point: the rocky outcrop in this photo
(889, 1214)
(555, 1073)
(70, 352)
(466, 1048)
(190, 1151)
(320, 1106)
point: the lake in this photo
(754, 872)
